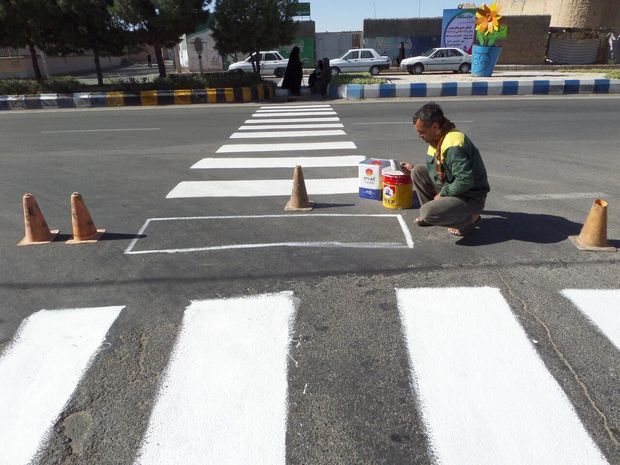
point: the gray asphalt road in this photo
(350, 394)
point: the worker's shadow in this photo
(502, 226)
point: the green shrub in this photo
(343, 79)
(61, 85)
(613, 74)
(18, 86)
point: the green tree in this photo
(249, 26)
(161, 23)
(28, 24)
(90, 25)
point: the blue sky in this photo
(349, 15)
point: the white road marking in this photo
(291, 120)
(223, 399)
(485, 395)
(291, 114)
(294, 110)
(295, 146)
(291, 126)
(261, 188)
(601, 307)
(40, 370)
(358, 245)
(296, 107)
(284, 134)
(277, 162)
(571, 195)
(401, 122)
(101, 130)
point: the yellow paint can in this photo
(397, 189)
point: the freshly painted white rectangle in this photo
(277, 162)
(486, 397)
(292, 120)
(288, 134)
(261, 188)
(295, 146)
(292, 114)
(295, 107)
(39, 371)
(223, 399)
(291, 110)
(569, 195)
(601, 307)
(291, 126)
(314, 244)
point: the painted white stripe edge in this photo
(571, 195)
(601, 307)
(295, 146)
(285, 134)
(292, 114)
(291, 126)
(275, 162)
(39, 371)
(291, 120)
(472, 364)
(235, 398)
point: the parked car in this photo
(360, 59)
(271, 62)
(439, 59)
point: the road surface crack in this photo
(560, 354)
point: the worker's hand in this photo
(437, 197)
(406, 166)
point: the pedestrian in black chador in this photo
(294, 73)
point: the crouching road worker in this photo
(452, 186)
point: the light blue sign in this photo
(458, 28)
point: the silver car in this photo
(271, 62)
(438, 59)
(360, 59)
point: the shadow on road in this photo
(502, 226)
(107, 236)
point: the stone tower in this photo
(580, 14)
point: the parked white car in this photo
(438, 59)
(360, 59)
(271, 62)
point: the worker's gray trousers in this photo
(451, 212)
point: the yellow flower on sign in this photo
(487, 18)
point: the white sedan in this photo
(271, 62)
(438, 59)
(360, 59)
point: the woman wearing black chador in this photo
(294, 72)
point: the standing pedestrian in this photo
(294, 72)
(401, 52)
(149, 62)
(452, 186)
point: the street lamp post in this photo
(199, 47)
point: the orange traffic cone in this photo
(84, 229)
(36, 228)
(299, 197)
(593, 236)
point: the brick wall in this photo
(526, 42)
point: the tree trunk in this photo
(98, 68)
(35, 62)
(160, 58)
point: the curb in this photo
(143, 98)
(477, 88)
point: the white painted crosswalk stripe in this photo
(601, 307)
(296, 107)
(486, 396)
(291, 126)
(260, 188)
(277, 162)
(39, 372)
(295, 146)
(292, 120)
(291, 114)
(223, 399)
(293, 110)
(287, 134)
